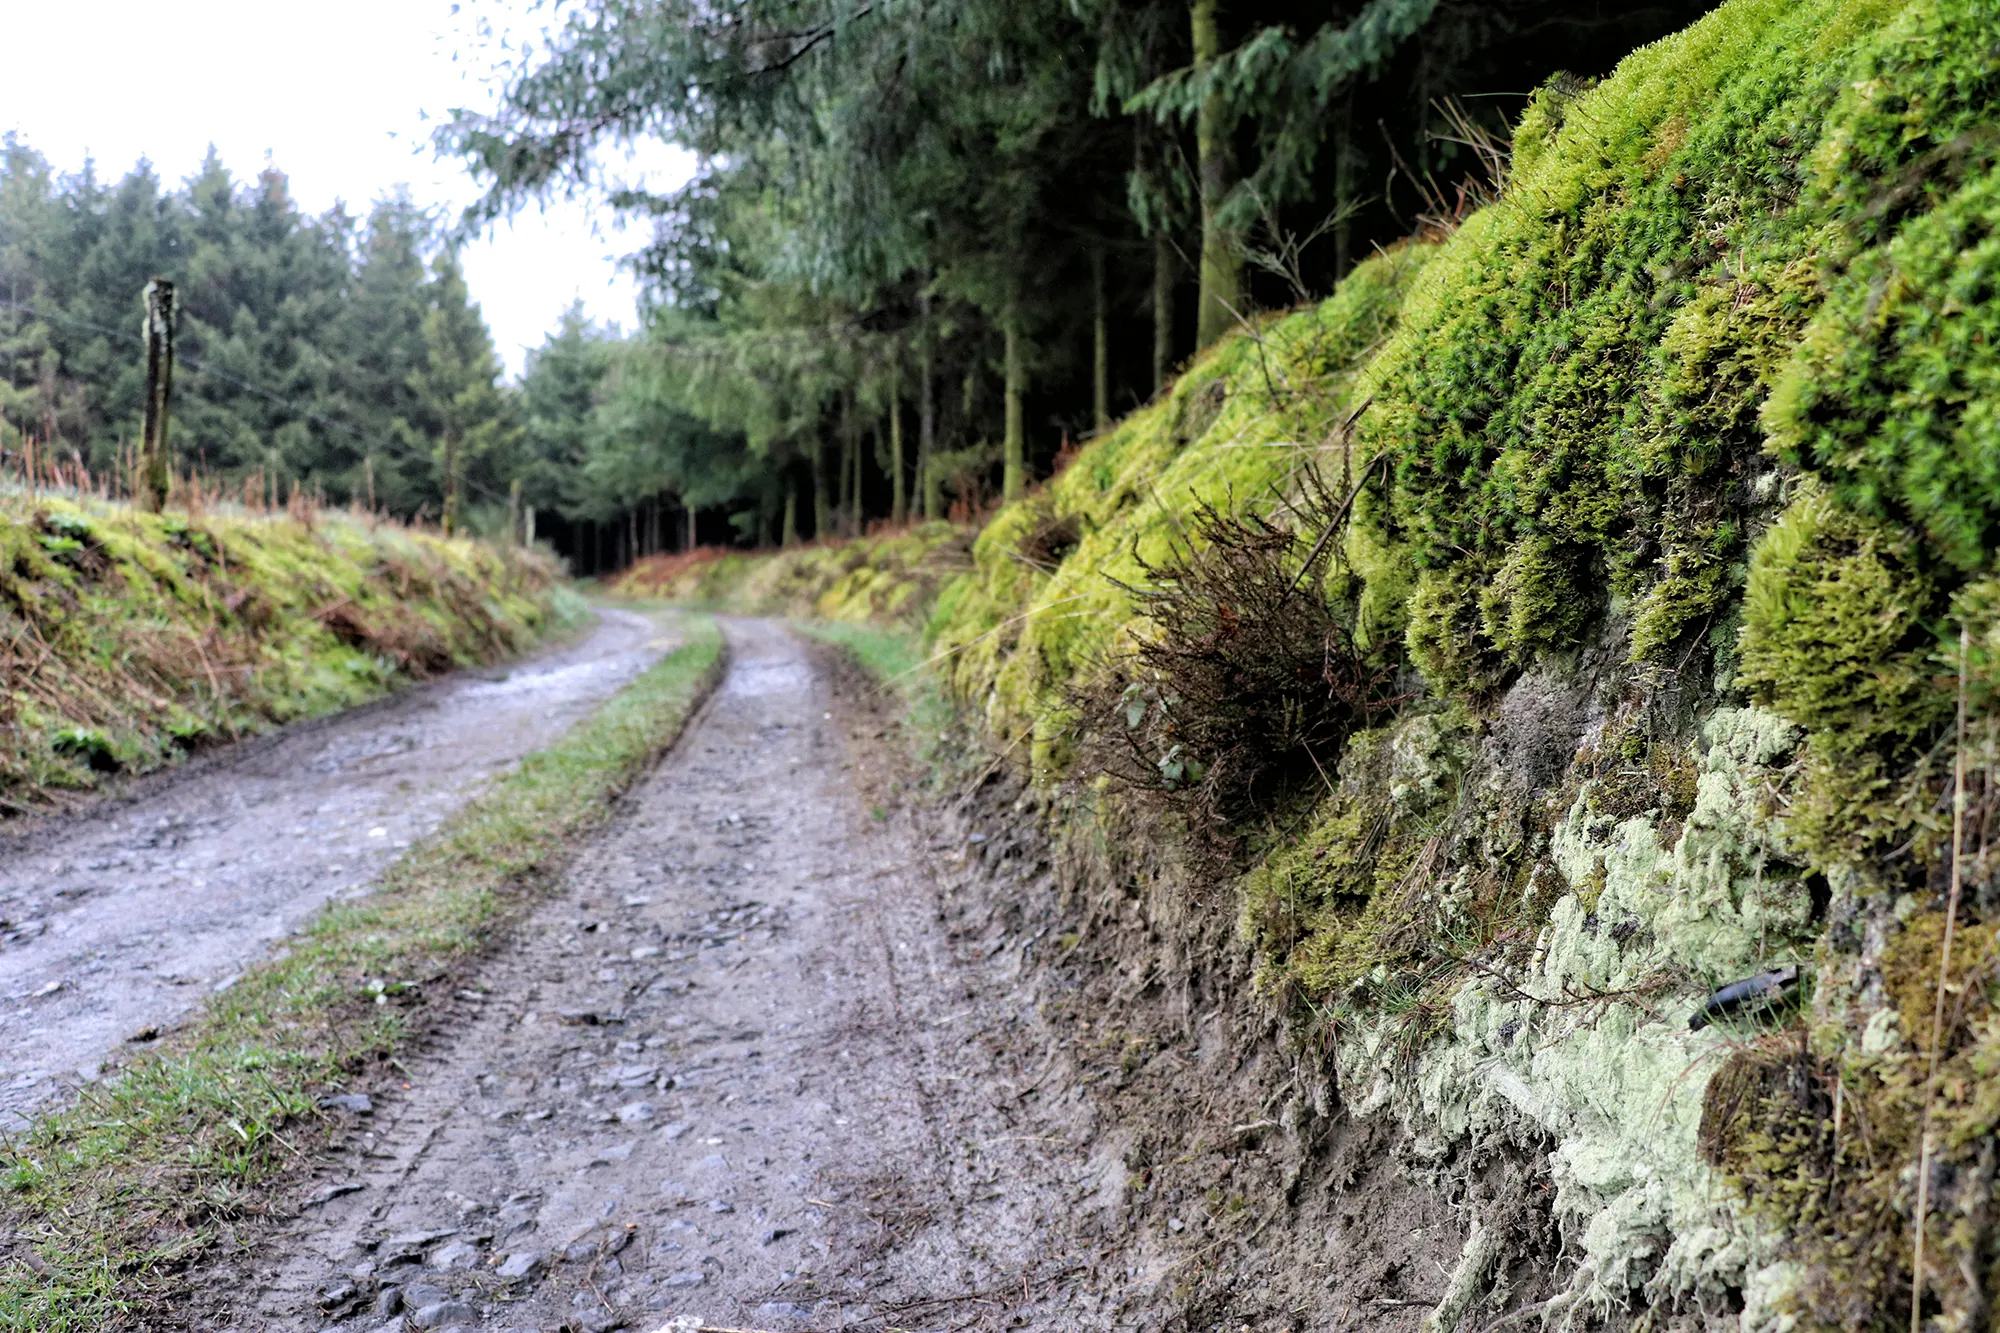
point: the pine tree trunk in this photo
(1221, 278)
(822, 504)
(1163, 310)
(1014, 450)
(927, 478)
(789, 534)
(1100, 346)
(1346, 172)
(898, 497)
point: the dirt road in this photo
(740, 1071)
(121, 920)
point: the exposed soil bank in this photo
(120, 919)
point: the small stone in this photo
(602, 1321)
(327, 1193)
(776, 1234)
(721, 1206)
(692, 1277)
(1175, 1225)
(336, 1294)
(782, 1310)
(355, 1103)
(677, 1129)
(395, 1325)
(388, 1301)
(580, 1252)
(416, 1240)
(456, 1255)
(633, 1113)
(443, 1314)
(521, 1264)
(419, 1294)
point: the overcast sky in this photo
(336, 95)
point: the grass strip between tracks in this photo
(105, 1202)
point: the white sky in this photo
(336, 95)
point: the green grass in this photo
(106, 1200)
(128, 638)
(894, 655)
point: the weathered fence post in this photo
(155, 466)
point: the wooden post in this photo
(155, 467)
(451, 481)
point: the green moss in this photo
(152, 632)
(1837, 636)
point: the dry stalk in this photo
(1944, 977)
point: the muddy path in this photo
(119, 920)
(739, 1070)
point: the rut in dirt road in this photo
(738, 1070)
(123, 918)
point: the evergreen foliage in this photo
(328, 353)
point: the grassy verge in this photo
(103, 1203)
(894, 656)
(128, 639)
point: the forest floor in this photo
(116, 922)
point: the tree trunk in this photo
(514, 513)
(1163, 310)
(1100, 346)
(1014, 450)
(933, 485)
(844, 483)
(789, 534)
(898, 497)
(822, 504)
(692, 533)
(1346, 172)
(1221, 279)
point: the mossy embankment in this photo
(889, 578)
(1663, 532)
(129, 638)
